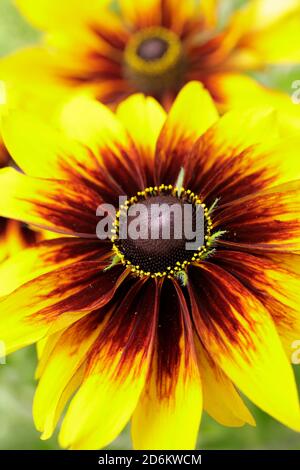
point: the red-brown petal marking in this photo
(212, 309)
(275, 281)
(173, 325)
(238, 333)
(55, 300)
(267, 220)
(232, 159)
(47, 256)
(130, 328)
(172, 399)
(231, 176)
(60, 206)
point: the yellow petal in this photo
(240, 336)
(116, 373)
(104, 134)
(192, 113)
(93, 124)
(275, 280)
(264, 13)
(274, 34)
(48, 14)
(209, 10)
(143, 118)
(241, 92)
(42, 151)
(144, 13)
(68, 354)
(220, 398)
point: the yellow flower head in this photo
(151, 332)
(154, 47)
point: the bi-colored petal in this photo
(169, 412)
(220, 398)
(167, 13)
(143, 14)
(15, 237)
(275, 280)
(190, 116)
(47, 256)
(239, 334)
(240, 155)
(55, 300)
(143, 119)
(95, 126)
(116, 373)
(267, 220)
(55, 205)
(42, 151)
(63, 362)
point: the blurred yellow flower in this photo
(154, 47)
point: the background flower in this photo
(113, 49)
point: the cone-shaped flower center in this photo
(161, 230)
(154, 60)
(152, 49)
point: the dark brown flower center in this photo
(152, 49)
(154, 60)
(160, 231)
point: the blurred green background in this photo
(17, 375)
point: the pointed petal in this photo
(220, 398)
(40, 150)
(241, 154)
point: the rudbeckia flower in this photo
(149, 331)
(155, 47)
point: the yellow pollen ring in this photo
(159, 66)
(180, 193)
